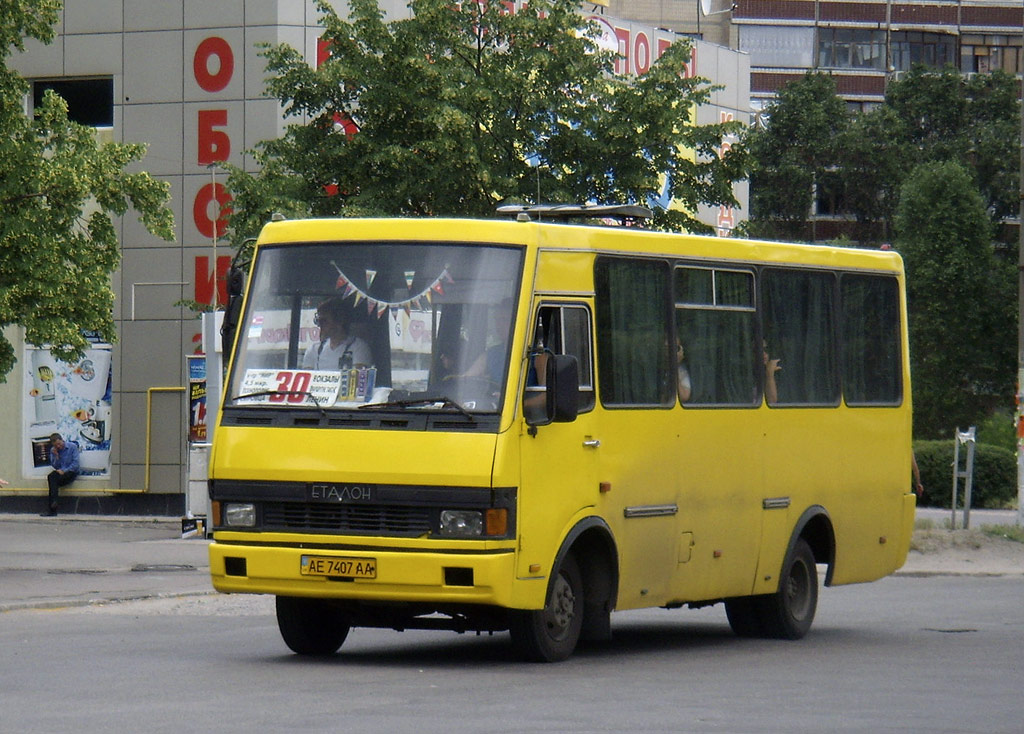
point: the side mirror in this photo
(556, 399)
(235, 283)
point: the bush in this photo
(998, 429)
(995, 474)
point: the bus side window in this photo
(564, 329)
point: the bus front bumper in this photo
(391, 575)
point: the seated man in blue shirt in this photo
(64, 460)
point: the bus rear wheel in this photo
(310, 626)
(550, 634)
(744, 616)
(788, 613)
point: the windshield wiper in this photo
(444, 402)
(286, 393)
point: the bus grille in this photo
(383, 519)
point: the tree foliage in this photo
(962, 351)
(863, 159)
(940, 115)
(465, 106)
(59, 189)
(793, 151)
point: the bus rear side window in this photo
(870, 340)
(798, 313)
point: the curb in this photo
(79, 603)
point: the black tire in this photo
(744, 615)
(550, 634)
(788, 613)
(311, 626)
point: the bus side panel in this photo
(853, 462)
(639, 462)
(802, 468)
(872, 532)
(720, 477)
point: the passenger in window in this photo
(771, 366)
(491, 364)
(683, 385)
(337, 349)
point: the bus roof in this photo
(604, 239)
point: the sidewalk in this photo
(81, 559)
(73, 560)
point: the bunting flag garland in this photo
(380, 307)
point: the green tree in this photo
(961, 325)
(465, 106)
(871, 172)
(795, 149)
(939, 115)
(863, 159)
(59, 190)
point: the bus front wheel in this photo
(310, 626)
(550, 634)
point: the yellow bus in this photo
(525, 424)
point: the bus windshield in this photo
(373, 325)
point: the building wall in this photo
(863, 43)
(188, 81)
(680, 16)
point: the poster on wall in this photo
(196, 397)
(72, 399)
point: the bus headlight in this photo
(239, 514)
(462, 523)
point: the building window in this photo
(915, 47)
(986, 53)
(90, 101)
(778, 47)
(829, 194)
(851, 48)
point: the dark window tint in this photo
(872, 369)
(798, 312)
(634, 335)
(716, 355)
(90, 101)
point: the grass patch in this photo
(1007, 532)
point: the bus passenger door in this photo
(559, 460)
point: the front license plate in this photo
(353, 568)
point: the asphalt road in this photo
(904, 654)
(111, 624)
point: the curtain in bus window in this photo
(798, 330)
(715, 326)
(719, 355)
(870, 329)
(633, 332)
